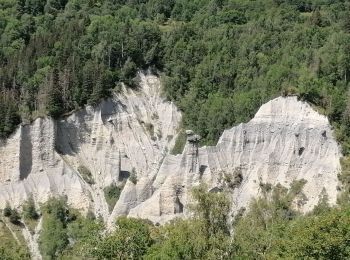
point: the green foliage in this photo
(83, 233)
(133, 176)
(324, 237)
(10, 249)
(271, 229)
(323, 204)
(257, 231)
(66, 234)
(112, 193)
(53, 237)
(180, 143)
(180, 239)
(9, 115)
(213, 209)
(29, 210)
(205, 236)
(7, 210)
(234, 179)
(60, 55)
(86, 174)
(344, 178)
(220, 59)
(12, 215)
(130, 241)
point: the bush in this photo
(131, 240)
(53, 237)
(133, 176)
(150, 129)
(7, 210)
(180, 143)
(15, 217)
(112, 193)
(11, 214)
(29, 211)
(234, 180)
(86, 174)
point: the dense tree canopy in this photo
(219, 60)
(272, 228)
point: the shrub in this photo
(7, 210)
(14, 217)
(233, 180)
(112, 193)
(150, 128)
(11, 214)
(114, 246)
(29, 211)
(133, 176)
(86, 174)
(53, 237)
(180, 143)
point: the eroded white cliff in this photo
(129, 133)
(132, 133)
(286, 140)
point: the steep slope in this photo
(125, 140)
(286, 140)
(129, 133)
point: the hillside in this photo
(114, 160)
(221, 60)
(223, 124)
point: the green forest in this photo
(219, 60)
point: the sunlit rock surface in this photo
(286, 140)
(131, 132)
(126, 140)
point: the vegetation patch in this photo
(344, 178)
(86, 174)
(30, 214)
(64, 229)
(29, 210)
(12, 215)
(265, 187)
(133, 176)
(112, 193)
(150, 128)
(10, 248)
(233, 180)
(180, 143)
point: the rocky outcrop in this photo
(286, 140)
(126, 140)
(130, 133)
(30, 166)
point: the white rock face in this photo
(30, 166)
(131, 134)
(286, 140)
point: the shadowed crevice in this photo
(25, 153)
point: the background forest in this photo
(219, 59)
